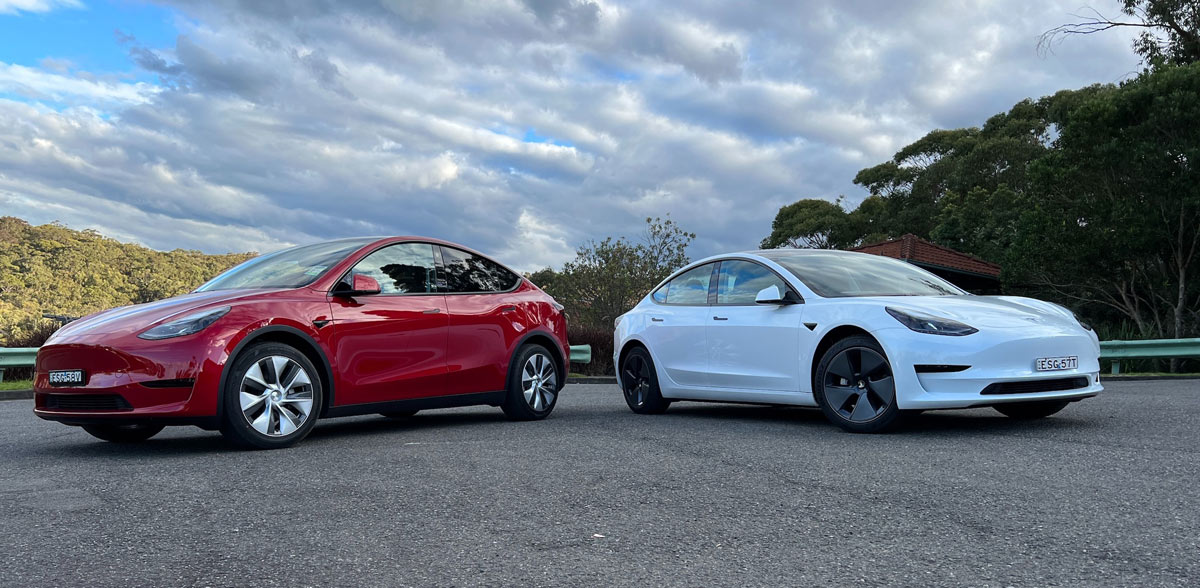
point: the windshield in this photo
(288, 268)
(838, 274)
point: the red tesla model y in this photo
(352, 326)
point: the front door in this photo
(392, 345)
(753, 346)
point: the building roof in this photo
(918, 251)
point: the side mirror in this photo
(771, 295)
(360, 285)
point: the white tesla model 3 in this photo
(864, 337)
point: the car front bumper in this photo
(1002, 359)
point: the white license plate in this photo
(1053, 364)
(67, 377)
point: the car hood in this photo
(994, 312)
(138, 317)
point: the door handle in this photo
(720, 318)
(431, 311)
(656, 319)
(507, 309)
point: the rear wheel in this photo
(272, 397)
(1031, 410)
(533, 386)
(639, 382)
(123, 433)
(855, 387)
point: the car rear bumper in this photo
(934, 371)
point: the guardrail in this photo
(1148, 349)
(18, 357)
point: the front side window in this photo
(739, 282)
(289, 268)
(471, 273)
(404, 268)
(690, 287)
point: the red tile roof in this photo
(914, 249)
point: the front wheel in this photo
(533, 385)
(272, 397)
(1031, 410)
(639, 382)
(855, 387)
(123, 433)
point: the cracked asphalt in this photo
(1105, 493)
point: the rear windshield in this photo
(288, 268)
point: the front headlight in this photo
(932, 325)
(192, 323)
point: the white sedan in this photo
(866, 338)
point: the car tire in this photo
(398, 414)
(277, 409)
(123, 433)
(534, 383)
(639, 383)
(855, 387)
(1031, 410)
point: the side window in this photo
(690, 287)
(405, 268)
(738, 282)
(472, 273)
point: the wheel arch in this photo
(629, 346)
(546, 340)
(292, 337)
(829, 339)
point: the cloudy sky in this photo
(519, 127)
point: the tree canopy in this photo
(50, 269)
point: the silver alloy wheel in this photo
(276, 396)
(539, 381)
(859, 385)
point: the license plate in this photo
(1052, 364)
(67, 377)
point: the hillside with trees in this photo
(51, 269)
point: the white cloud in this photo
(518, 128)
(15, 6)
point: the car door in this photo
(392, 345)
(675, 332)
(485, 319)
(752, 346)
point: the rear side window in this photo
(465, 272)
(739, 282)
(690, 287)
(405, 268)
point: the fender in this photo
(257, 334)
(563, 357)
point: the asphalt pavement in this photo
(1105, 493)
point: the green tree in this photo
(1170, 30)
(607, 277)
(811, 224)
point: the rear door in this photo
(753, 346)
(486, 317)
(392, 345)
(676, 330)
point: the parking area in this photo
(1104, 493)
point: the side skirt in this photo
(455, 401)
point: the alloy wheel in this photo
(539, 382)
(276, 396)
(636, 379)
(858, 384)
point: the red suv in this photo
(353, 326)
